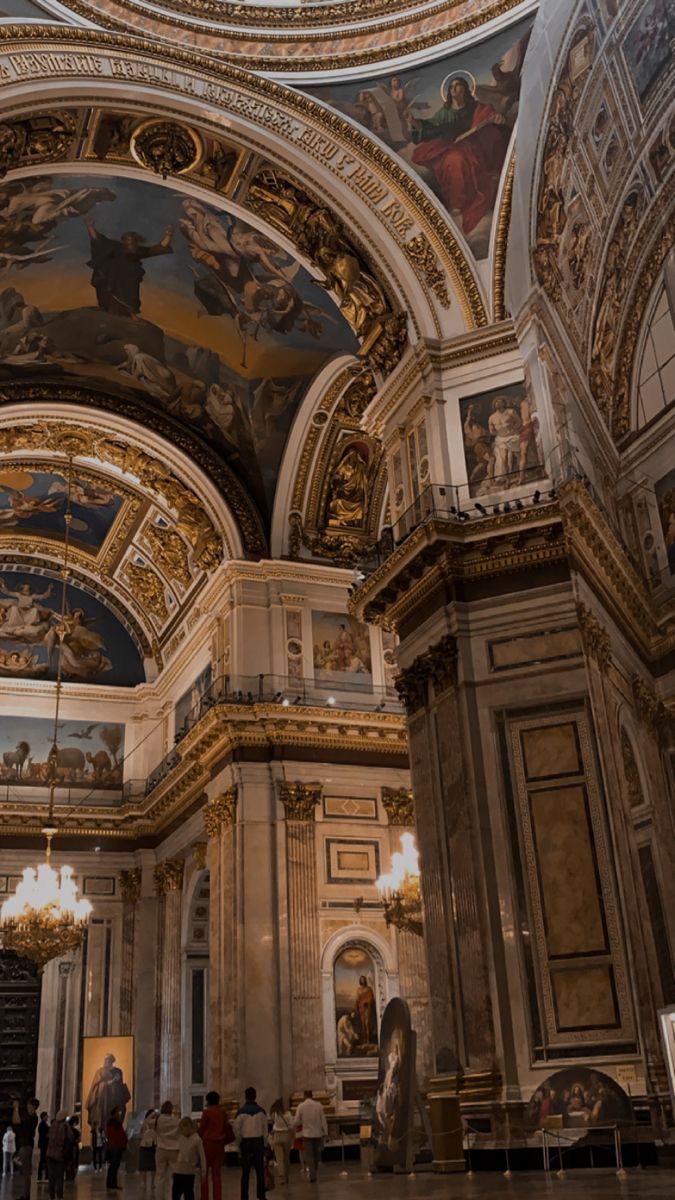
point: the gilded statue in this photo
(348, 488)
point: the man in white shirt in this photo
(250, 1130)
(312, 1118)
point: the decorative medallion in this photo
(166, 147)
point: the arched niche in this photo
(372, 958)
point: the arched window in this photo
(656, 370)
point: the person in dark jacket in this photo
(250, 1130)
(117, 1143)
(25, 1124)
(73, 1164)
(43, 1138)
(59, 1146)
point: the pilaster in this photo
(168, 876)
(130, 890)
(220, 818)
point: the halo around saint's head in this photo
(465, 75)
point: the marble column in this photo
(300, 801)
(412, 959)
(457, 943)
(168, 877)
(130, 889)
(220, 816)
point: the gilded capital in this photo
(221, 811)
(169, 875)
(437, 666)
(649, 710)
(130, 884)
(398, 805)
(300, 800)
(597, 642)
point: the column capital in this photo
(168, 875)
(130, 884)
(220, 811)
(398, 805)
(300, 800)
(597, 642)
(438, 665)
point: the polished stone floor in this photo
(652, 1183)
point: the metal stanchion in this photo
(561, 1173)
(508, 1172)
(620, 1169)
(469, 1131)
(545, 1152)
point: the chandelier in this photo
(400, 888)
(44, 918)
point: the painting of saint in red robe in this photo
(465, 145)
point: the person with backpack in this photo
(117, 1143)
(59, 1150)
(43, 1139)
(216, 1133)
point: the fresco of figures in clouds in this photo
(451, 121)
(648, 44)
(35, 502)
(94, 646)
(165, 299)
(88, 754)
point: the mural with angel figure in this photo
(161, 296)
(89, 640)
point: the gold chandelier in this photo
(44, 918)
(400, 888)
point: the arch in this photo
(365, 938)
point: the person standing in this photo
(43, 1139)
(282, 1137)
(215, 1131)
(25, 1124)
(59, 1146)
(167, 1148)
(189, 1160)
(147, 1150)
(8, 1150)
(116, 1138)
(73, 1163)
(250, 1130)
(312, 1118)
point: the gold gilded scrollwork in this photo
(130, 884)
(168, 876)
(597, 642)
(44, 137)
(149, 589)
(221, 811)
(168, 553)
(398, 805)
(420, 253)
(319, 235)
(300, 800)
(166, 147)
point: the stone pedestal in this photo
(169, 885)
(299, 801)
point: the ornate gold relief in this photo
(631, 772)
(649, 710)
(300, 800)
(41, 138)
(323, 239)
(130, 884)
(149, 589)
(398, 805)
(221, 811)
(168, 552)
(166, 147)
(437, 666)
(168, 876)
(420, 253)
(597, 642)
(199, 855)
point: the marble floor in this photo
(652, 1183)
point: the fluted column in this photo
(168, 877)
(300, 801)
(130, 888)
(412, 959)
(220, 817)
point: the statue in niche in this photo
(348, 488)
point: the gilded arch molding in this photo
(375, 198)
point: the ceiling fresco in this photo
(145, 291)
(450, 120)
(91, 642)
(34, 502)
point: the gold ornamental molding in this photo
(300, 800)
(37, 54)
(199, 855)
(399, 806)
(596, 640)
(298, 51)
(130, 885)
(221, 812)
(168, 876)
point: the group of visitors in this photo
(58, 1144)
(173, 1150)
(172, 1146)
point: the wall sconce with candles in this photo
(400, 888)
